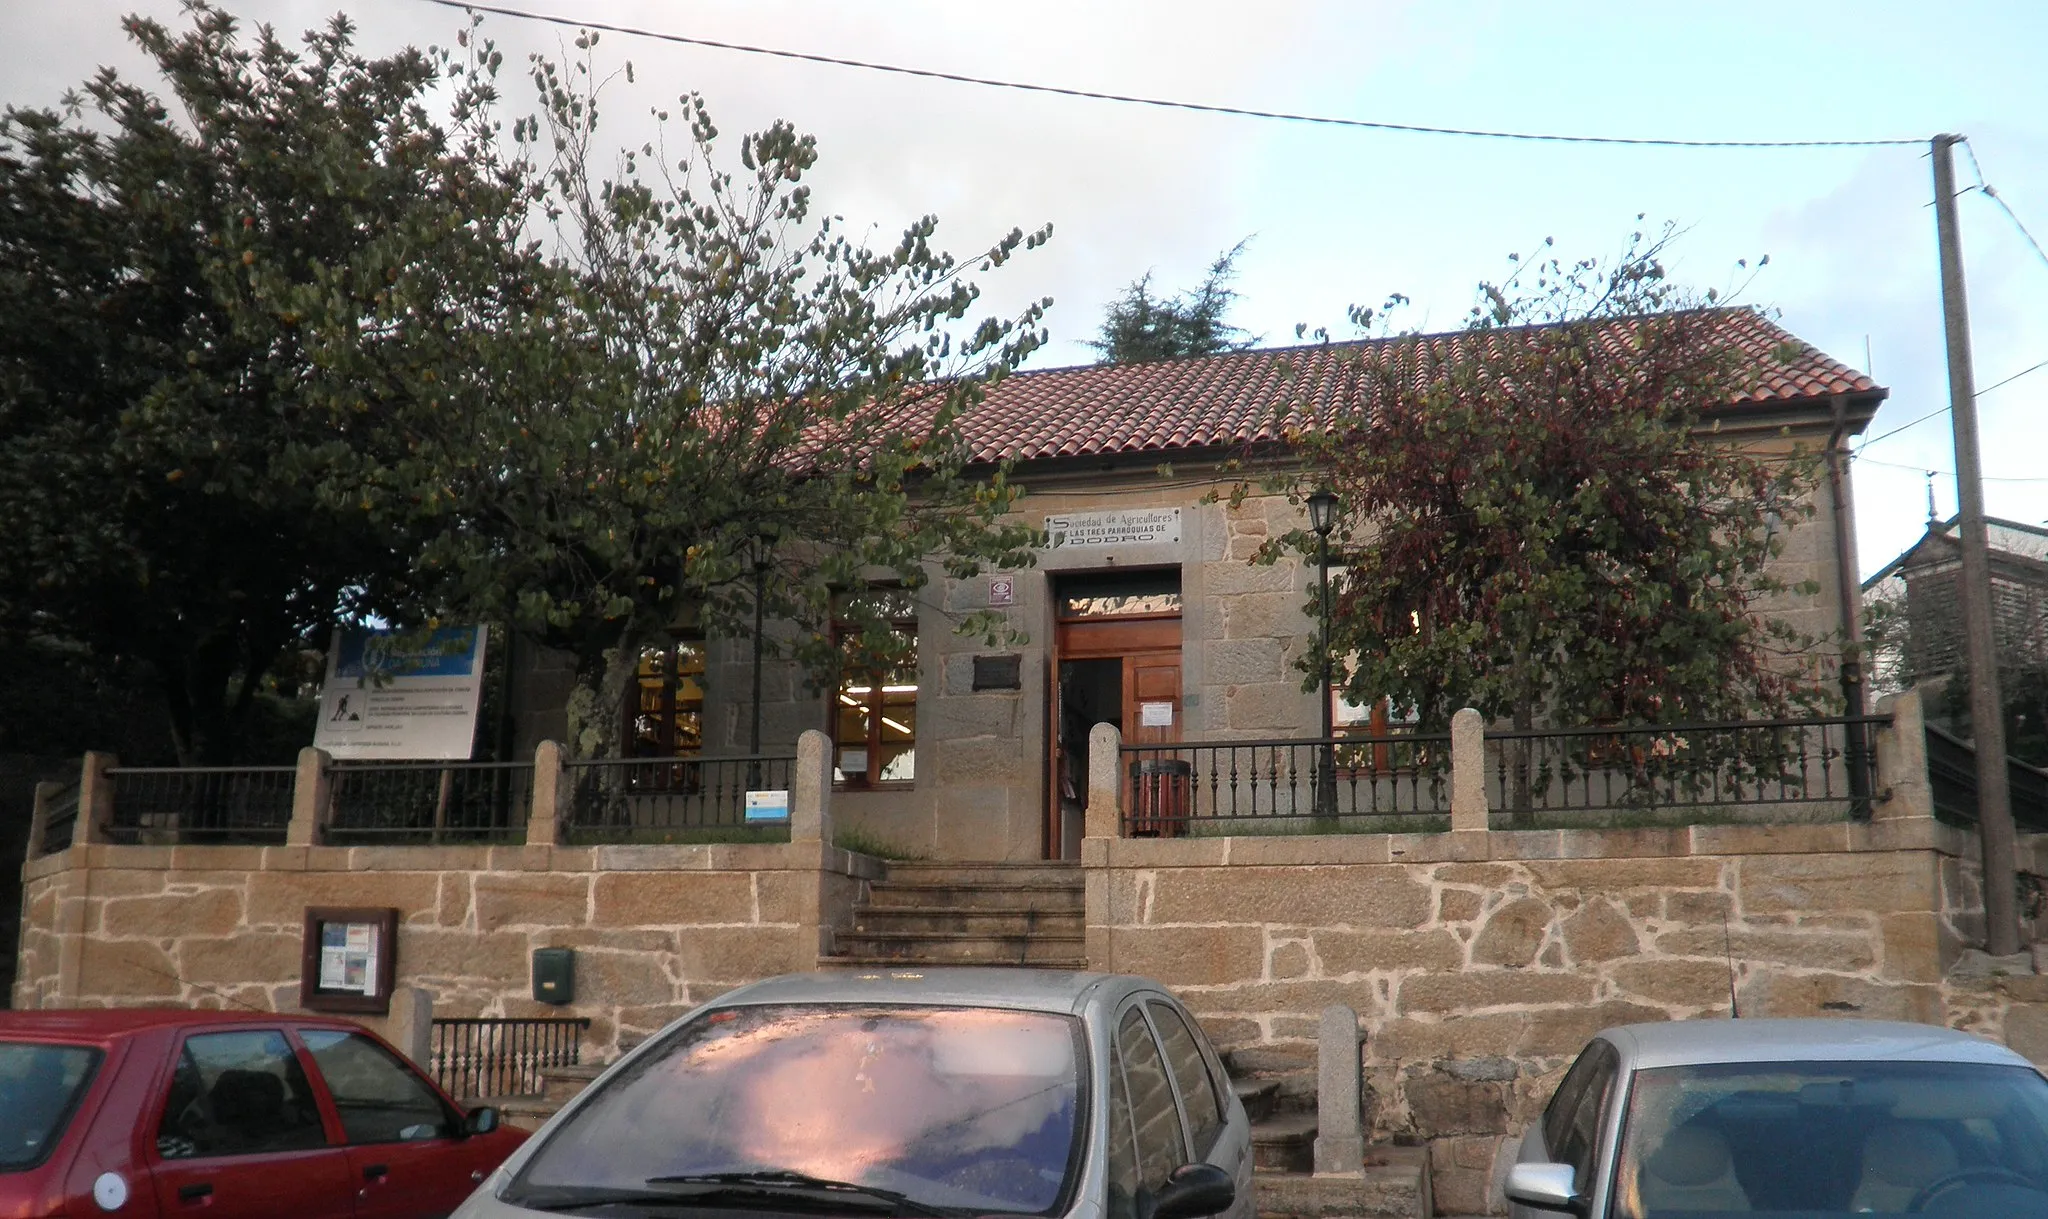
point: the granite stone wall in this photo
(656, 929)
(1481, 962)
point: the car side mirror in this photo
(1547, 1187)
(1193, 1191)
(481, 1120)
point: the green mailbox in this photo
(554, 975)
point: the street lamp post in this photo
(760, 550)
(1322, 517)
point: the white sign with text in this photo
(1115, 527)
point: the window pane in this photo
(1123, 1149)
(666, 703)
(1821, 1138)
(379, 1098)
(1191, 1072)
(1120, 593)
(969, 1108)
(39, 1085)
(238, 1094)
(1161, 1145)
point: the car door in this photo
(238, 1134)
(1573, 1125)
(1158, 1135)
(408, 1152)
(1216, 1128)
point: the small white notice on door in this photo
(1155, 715)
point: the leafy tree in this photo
(1533, 522)
(1140, 326)
(176, 276)
(723, 405)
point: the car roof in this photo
(105, 1024)
(1021, 988)
(1844, 1039)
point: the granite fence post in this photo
(550, 792)
(1902, 786)
(1468, 771)
(1340, 1137)
(1105, 783)
(95, 799)
(312, 798)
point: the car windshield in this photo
(968, 1109)
(1817, 1139)
(39, 1087)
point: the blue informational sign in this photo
(768, 806)
(402, 695)
(448, 651)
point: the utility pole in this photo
(1987, 712)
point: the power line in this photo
(1163, 103)
(1897, 465)
(2003, 206)
(1942, 410)
(2009, 380)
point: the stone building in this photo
(1143, 609)
(1919, 590)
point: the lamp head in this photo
(1322, 512)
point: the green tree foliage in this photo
(171, 270)
(1534, 524)
(722, 399)
(1139, 326)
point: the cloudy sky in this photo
(1341, 216)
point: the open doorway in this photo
(1091, 693)
(1117, 647)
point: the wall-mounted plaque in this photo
(1114, 528)
(348, 959)
(1005, 672)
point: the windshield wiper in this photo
(782, 1183)
(573, 1198)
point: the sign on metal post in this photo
(402, 695)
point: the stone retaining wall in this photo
(1480, 962)
(657, 929)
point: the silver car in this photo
(1789, 1117)
(940, 1092)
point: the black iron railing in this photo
(429, 802)
(477, 1057)
(201, 804)
(1952, 774)
(60, 819)
(1825, 766)
(630, 799)
(1229, 787)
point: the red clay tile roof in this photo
(1229, 400)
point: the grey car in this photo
(919, 1092)
(1789, 1117)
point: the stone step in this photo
(1078, 964)
(1258, 1096)
(1257, 1060)
(1049, 897)
(1067, 874)
(1394, 1185)
(961, 947)
(925, 919)
(1285, 1143)
(528, 1113)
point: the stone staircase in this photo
(969, 914)
(1277, 1085)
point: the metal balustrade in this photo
(1278, 786)
(476, 1057)
(428, 802)
(60, 819)
(1815, 768)
(647, 799)
(250, 805)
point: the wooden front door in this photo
(1148, 711)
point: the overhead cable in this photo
(1163, 103)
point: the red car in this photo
(227, 1115)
